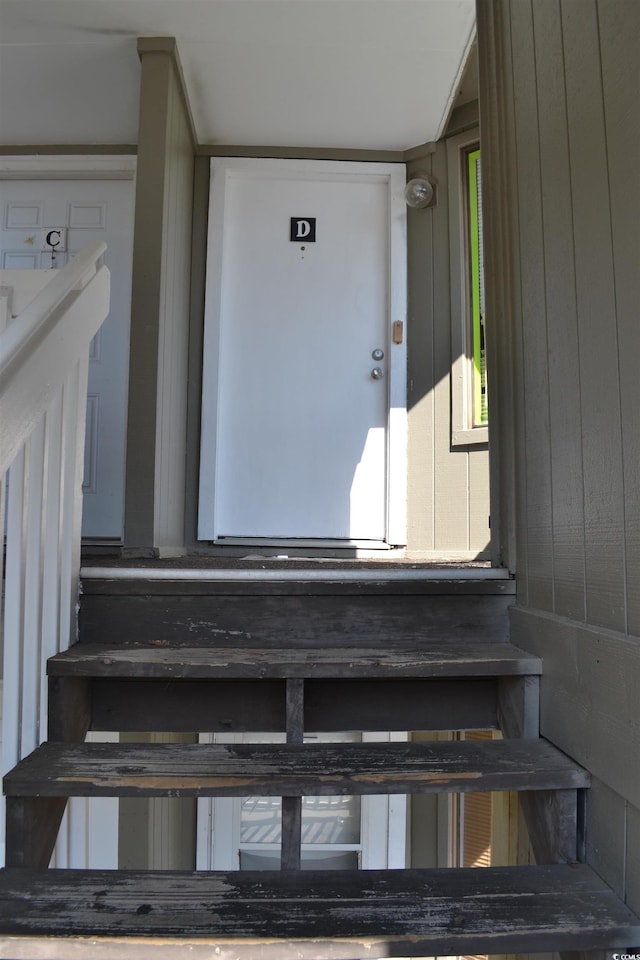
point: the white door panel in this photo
(295, 440)
(89, 210)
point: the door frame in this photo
(78, 167)
(394, 176)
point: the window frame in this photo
(463, 430)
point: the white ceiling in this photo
(369, 74)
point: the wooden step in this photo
(396, 659)
(342, 915)
(318, 769)
(199, 613)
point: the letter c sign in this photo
(303, 228)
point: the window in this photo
(338, 832)
(469, 378)
(476, 284)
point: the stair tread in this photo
(398, 659)
(337, 914)
(319, 769)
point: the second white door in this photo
(303, 400)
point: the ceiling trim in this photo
(300, 153)
(67, 149)
(58, 167)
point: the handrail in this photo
(38, 349)
(37, 316)
(44, 359)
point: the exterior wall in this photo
(448, 486)
(558, 95)
(155, 487)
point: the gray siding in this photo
(448, 486)
(559, 85)
(154, 511)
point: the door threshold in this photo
(310, 543)
(339, 574)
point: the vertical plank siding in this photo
(559, 86)
(565, 435)
(619, 48)
(600, 396)
(448, 486)
(504, 346)
(532, 308)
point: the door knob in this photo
(377, 373)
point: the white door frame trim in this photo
(395, 176)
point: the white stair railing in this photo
(44, 356)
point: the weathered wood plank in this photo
(519, 706)
(243, 706)
(337, 914)
(292, 769)
(195, 620)
(291, 846)
(291, 849)
(552, 824)
(399, 658)
(184, 706)
(334, 585)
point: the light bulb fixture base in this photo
(420, 192)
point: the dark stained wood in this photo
(519, 706)
(188, 706)
(32, 830)
(397, 659)
(551, 817)
(406, 704)
(291, 846)
(294, 769)
(295, 710)
(330, 705)
(552, 823)
(69, 708)
(335, 914)
(291, 849)
(336, 587)
(312, 621)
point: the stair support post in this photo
(32, 830)
(292, 806)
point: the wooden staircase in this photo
(201, 655)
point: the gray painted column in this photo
(154, 501)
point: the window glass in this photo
(476, 278)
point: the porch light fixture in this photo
(419, 192)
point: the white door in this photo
(85, 210)
(303, 428)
